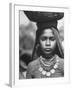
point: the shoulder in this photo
(61, 63)
(61, 60)
(34, 64)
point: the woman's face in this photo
(47, 41)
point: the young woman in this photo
(48, 53)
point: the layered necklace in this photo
(51, 65)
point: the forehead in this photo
(48, 33)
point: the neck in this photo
(48, 62)
(47, 56)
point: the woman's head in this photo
(47, 41)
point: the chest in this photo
(40, 74)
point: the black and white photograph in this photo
(40, 50)
(36, 44)
(41, 44)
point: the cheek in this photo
(42, 43)
(53, 44)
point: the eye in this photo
(52, 38)
(43, 38)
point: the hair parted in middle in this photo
(37, 50)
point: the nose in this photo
(47, 42)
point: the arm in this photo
(31, 69)
(61, 66)
(29, 72)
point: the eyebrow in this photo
(48, 36)
(45, 37)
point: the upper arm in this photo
(61, 65)
(29, 71)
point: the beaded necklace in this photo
(49, 62)
(51, 71)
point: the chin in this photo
(47, 52)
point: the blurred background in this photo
(27, 34)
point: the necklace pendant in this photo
(52, 71)
(44, 72)
(48, 74)
(40, 69)
(55, 66)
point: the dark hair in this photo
(37, 49)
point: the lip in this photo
(47, 49)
